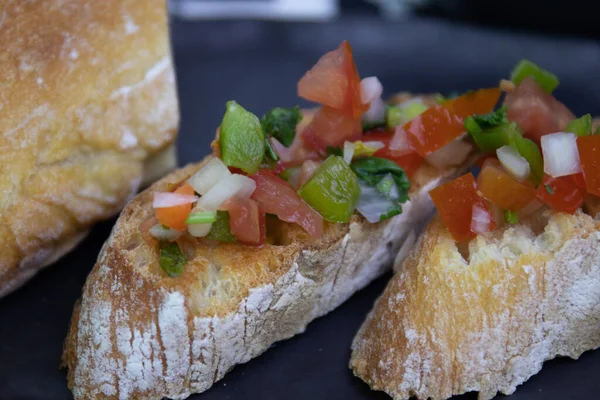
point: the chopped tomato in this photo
(330, 127)
(454, 201)
(275, 196)
(246, 221)
(561, 194)
(174, 217)
(578, 180)
(443, 123)
(503, 190)
(535, 111)
(334, 82)
(589, 154)
(410, 163)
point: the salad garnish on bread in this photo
(290, 215)
(508, 275)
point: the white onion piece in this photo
(199, 230)
(408, 244)
(372, 204)
(450, 155)
(234, 185)
(376, 111)
(348, 151)
(399, 143)
(374, 144)
(306, 171)
(208, 176)
(170, 199)
(561, 156)
(370, 89)
(284, 153)
(516, 165)
(162, 233)
(481, 220)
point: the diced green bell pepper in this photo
(171, 259)
(491, 139)
(332, 190)
(220, 229)
(546, 79)
(581, 126)
(241, 139)
(531, 152)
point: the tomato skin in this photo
(410, 163)
(503, 190)
(454, 202)
(535, 111)
(589, 154)
(334, 82)
(443, 123)
(330, 127)
(246, 221)
(275, 196)
(174, 217)
(565, 196)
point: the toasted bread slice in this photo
(446, 326)
(138, 333)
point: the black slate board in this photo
(258, 64)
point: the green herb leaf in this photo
(220, 229)
(549, 189)
(512, 217)
(372, 170)
(270, 151)
(492, 119)
(201, 217)
(171, 259)
(391, 213)
(334, 151)
(281, 124)
(581, 126)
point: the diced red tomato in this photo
(454, 202)
(443, 123)
(535, 111)
(334, 82)
(410, 163)
(330, 127)
(174, 217)
(589, 154)
(578, 180)
(275, 196)
(561, 194)
(500, 188)
(246, 221)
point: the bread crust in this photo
(445, 326)
(88, 95)
(140, 334)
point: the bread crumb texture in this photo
(138, 333)
(87, 95)
(446, 326)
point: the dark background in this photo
(454, 46)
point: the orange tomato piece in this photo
(561, 194)
(503, 190)
(589, 154)
(334, 82)
(174, 217)
(443, 123)
(246, 221)
(331, 127)
(454, 202)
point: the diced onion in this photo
(199, 230)
(370, 89)
(208, 176)
(284, 153)
(516, 165)
(561, 156)
(234, 185)
(376, 111)
(372, 204)
(348, 151)
(306, 171)
(160, 232)
(169, 199)
(450, 155)
(399, 143)
(481, 220)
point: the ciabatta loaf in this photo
(88, 110)
(446, 326)
(138, 333)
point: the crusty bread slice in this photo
(138, 333)
(447, 326)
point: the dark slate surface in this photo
(258, 65)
